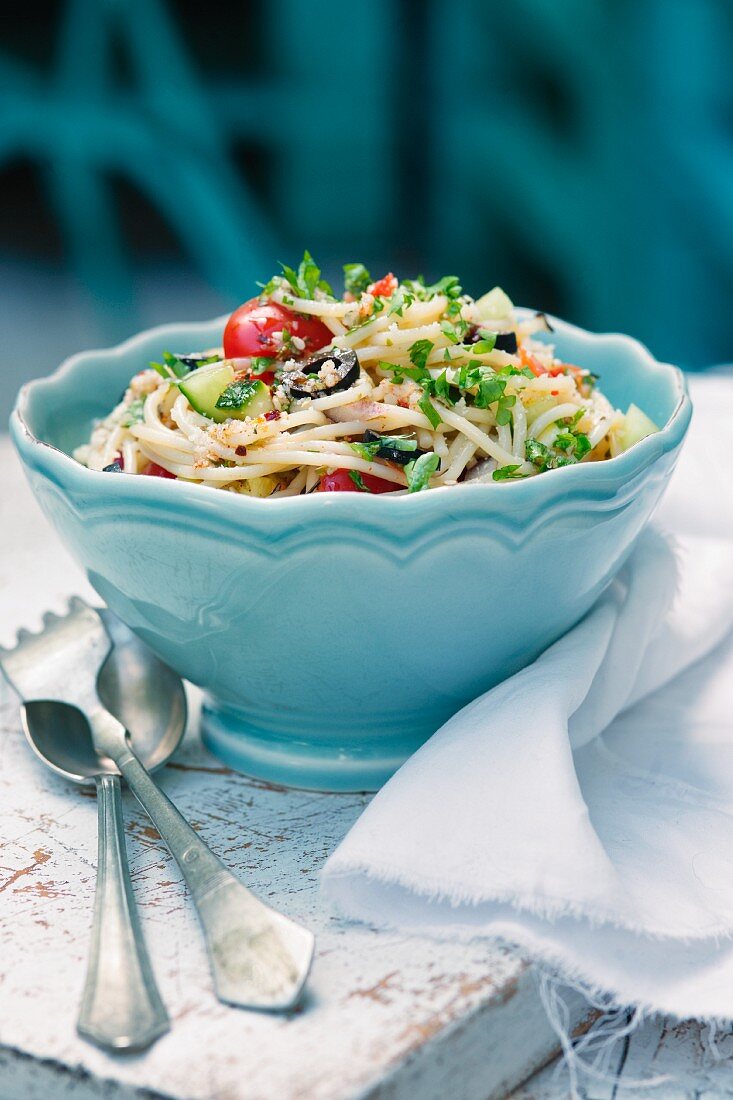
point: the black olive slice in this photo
(391, 452)
(503, 341)
(197, 359)
(506, 341)
(306, 380)
(113, 468)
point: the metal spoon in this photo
(121, 1008)
(258, 957)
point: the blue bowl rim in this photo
(575, 480)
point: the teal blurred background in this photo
(157, 158)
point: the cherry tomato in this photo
(340, 481)
(154, 470)
(384, 287)
(250, 330)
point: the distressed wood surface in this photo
(662, 1060)
(386, 1015)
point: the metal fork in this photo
(121, 1007)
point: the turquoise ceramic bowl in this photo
(332, 634)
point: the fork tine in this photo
(62, 659)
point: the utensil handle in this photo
(249, 945)
(121, 1008)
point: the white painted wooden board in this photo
(386, 1015)
(662, 1060)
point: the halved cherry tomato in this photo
(384, 287)
(250, 330)
(340, 481)
(154, 470)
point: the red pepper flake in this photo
(241, 451)
(274, 415)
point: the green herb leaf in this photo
(390, 447)
(549, 458)
(426, 406)
(448, 285)
(504, 407)
(506, 473)
(176, 366)
(490, 389)
(358, 481)
(582, 445)
(483, 347)
(304, 282)
(442, 389)
(419, 352)
(356, 279)
(367, 451)
(455, 331)
(537, 453)
(420, 471)
(260, 363)
(172, 367)
(237, 394)
(401, 299)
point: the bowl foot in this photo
(298, 755)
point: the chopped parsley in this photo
(576, 444)
(358, 481)
(172, 367)
(394, 448)
(546, 458)
(442, 389)
(455, 330)
(356, 279)
(401, 300)
(428, 408)
(258, 364)
(419, 353)
(238, 394)
(485, 345)
(420, 471)
(304, 282)
(175, 367)
(448, 285)
(506, 473)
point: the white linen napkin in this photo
(583, 809)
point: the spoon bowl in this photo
(61, 737)
(137, 688)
